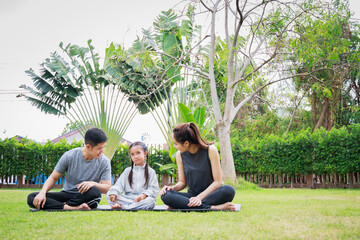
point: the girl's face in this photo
(181, 147)
(137, 155)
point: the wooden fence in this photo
(350, 180)
(21, 182)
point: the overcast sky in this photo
(31, 29)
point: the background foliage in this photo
(34, 159)
(322, 152)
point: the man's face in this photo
(96, 151)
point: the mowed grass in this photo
(265, 214)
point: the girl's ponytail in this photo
(130, 177)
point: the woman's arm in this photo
(181, 184)
(216, 172)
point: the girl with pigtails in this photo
(198, 166)
(137, 186)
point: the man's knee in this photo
(30, 199)
(93, 197)
(94, 192)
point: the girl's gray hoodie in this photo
(122, 185)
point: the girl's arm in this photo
(181, 184)
(216, 172)
(153, 185)
(119, 186)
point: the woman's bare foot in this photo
(226, 206)
(83, 206)
(116, 206)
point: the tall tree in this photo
(330, 46)
(152, 69)
(257, 56)
(83, 92)
(257, 48)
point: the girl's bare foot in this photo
(226, 206)
(116, 206)
(83, 206)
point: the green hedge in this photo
(34, 159)
(322, 152)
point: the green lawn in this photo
(265, 214)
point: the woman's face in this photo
(181, 147)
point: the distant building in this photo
(21, 138)
(70, 137)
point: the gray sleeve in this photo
(119, 186)
(63, 163)
(153, 185)
(106, 173)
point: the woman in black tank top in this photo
(198, 168)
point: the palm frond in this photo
(39, 82)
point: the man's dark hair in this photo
(94, 136)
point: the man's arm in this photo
(40, 199)
(104, 186)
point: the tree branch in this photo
(209, 9)
(248, 98)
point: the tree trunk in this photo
(324, 111)
(227, 159)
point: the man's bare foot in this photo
(169, 208)
(83, 206)
(226, 206)
(116, 206)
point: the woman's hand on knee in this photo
(165, 189)
(194, 202)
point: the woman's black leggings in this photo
(57, 200)
(180, 200)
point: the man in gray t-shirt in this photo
(88, 174)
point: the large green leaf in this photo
(40, 83)
(186, 114)
(199, 116)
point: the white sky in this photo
(31, 29)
